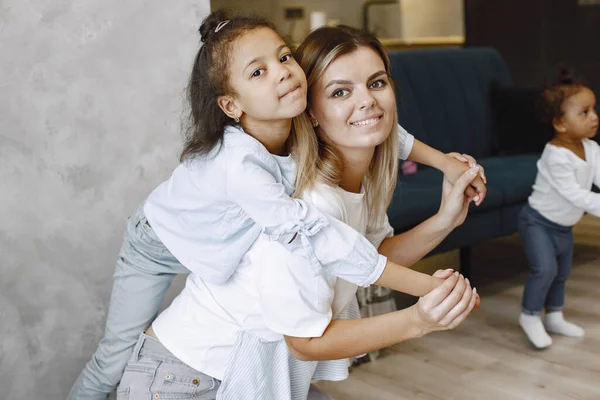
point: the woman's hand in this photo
(455, 205)
(458, 165)
(445, 274)
(445, 307)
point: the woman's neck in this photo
(355, 165)
(272, 134)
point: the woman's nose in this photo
(367, 102)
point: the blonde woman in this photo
(271, 328)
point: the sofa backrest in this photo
(444, 96)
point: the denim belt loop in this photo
(138, 347)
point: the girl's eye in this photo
(285, 58)
(340, 93)
(378, 84)
(257, 73)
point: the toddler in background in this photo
(569, 165)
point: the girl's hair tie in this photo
(221, 25)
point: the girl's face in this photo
(580, 119)
(353, 101)
(268, 83)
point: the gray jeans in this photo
(145, 269)
(153, 372)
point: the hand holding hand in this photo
(455, 205)
(460, 163)
(445, 307)
(446, 273)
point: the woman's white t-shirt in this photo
(272, 293)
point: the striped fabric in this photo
(375, 300)
(265, 370)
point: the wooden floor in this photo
(488, 357)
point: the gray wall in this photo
(90, 99)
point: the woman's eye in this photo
(285, 58)
(257, 73)
(340, 93)
(378, 84)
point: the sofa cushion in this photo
(444, 96)
(514, 175)
(476, 229)
(417, 196)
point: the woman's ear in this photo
(229, 107)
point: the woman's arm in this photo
(329, 244)
(444, 308)
(409, 247)
(450, 166)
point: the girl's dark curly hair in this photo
(550, 101)
(205, 121)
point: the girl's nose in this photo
(284, 73)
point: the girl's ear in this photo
(229, 107)
(558, 125)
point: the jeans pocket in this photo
(174, 381)
(137, 377)
(146, 232)
(123, 394)
(143, 240)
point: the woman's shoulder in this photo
(326, 199)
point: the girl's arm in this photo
(329, 244)
(409, 247)
(561, 176)
(596, 152)
(406, 280)
(444, 308)
(297, 303)
(450, 166)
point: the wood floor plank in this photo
(488, 356)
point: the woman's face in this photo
(354, 102)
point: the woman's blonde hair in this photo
(315, 54)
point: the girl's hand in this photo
(445, 307)
(446, 273)
(443, 273)
(477, 191)
(455, 205)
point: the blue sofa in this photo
(445, 100)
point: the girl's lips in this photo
(290, 91)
